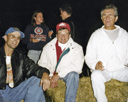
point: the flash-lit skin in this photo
(108, 18)
(63, 36)
(62, 15)
(39, 18)
(11, 42)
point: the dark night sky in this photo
(86, 14)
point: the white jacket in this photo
(73, 61)
(114, 55)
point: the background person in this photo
(36, 36)
(65, 14)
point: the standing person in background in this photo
(36, 36)
(66, 13)
(107, 53)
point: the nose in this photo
(108, 16)
(63, 36)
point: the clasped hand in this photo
(99, 66)
(53, 81)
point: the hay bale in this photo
(57, 94)
(116, 91)
(85, 92)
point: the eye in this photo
(111, 15)
(12, 36)
(104, 15)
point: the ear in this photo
(5, 37)
(64, 12)
(116, 18)
(101, 17)
(69, 35)
(35, 18)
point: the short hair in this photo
(33, 22)
(110, 6)
(67, 8)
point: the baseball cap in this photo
(62, 25)
(14, 29)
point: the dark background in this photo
(86, 15)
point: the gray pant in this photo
(34, 55)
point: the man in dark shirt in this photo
(15, 67)
(66, 12)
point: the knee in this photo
(72, 78)
(97, 74)
(72, 75)
(34, 80)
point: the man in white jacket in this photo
(64, 58)
(107, 53)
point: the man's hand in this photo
(50, 33)
(126, 65)
(54, 80)
(99, 66)
(45, 81)
(34, 40)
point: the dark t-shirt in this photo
(39, 32)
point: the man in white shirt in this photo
(64, 59)
(107, 53)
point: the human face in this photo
(109, 19)
(63, 36)
(12, 40)
(39, 18)
(62, 14)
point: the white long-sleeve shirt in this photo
(72, 61)
(113, 55)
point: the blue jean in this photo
(28, 90)
(72, 82)
(34, 55)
